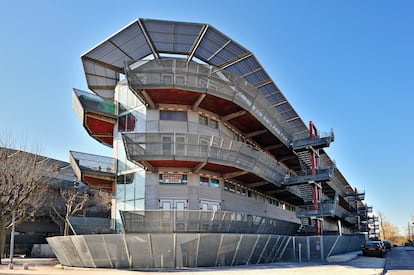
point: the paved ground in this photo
(346, 264)
(400, 261)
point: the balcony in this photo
(203, 86)
(324, 210)
(317, 142)
(96, 115)
(95, 171)
(322, 175)
(194, 149)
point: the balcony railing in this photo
(91, 163)
(166, 221)
(167, 73)
(202, 148)
(317, 142)
(324, 209)
(321, 175)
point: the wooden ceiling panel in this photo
(173, 96)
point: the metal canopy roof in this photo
(147, 38)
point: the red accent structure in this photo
(100, 128)
(312, 129)
(99, 183)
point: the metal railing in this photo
(93, 162)
(324, 174)
(200, 221)
(179, 73)
(324, 209)
(203, 148)
(319, 141)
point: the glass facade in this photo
(130, 183)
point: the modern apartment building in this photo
(208, 154)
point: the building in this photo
(22, 170)
(208, 154)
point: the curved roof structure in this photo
(147, 38)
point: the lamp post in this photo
(12, 239)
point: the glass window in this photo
(180, 145)
(203, 181)
(166, 205)
(180, 205)
(167, 145)
(203, 120)
(213, 123)
(173, 115)
(214, 183)
(126, 123)
(229, 187)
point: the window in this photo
(180, 145)
(229, 187)
(214, 183)
(173, 115)
(167, 145)
(126, 123)
(209, 205)
(204, 144)
(203, 120)
(213, 123)
(180, 205)
(203, 181)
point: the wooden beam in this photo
(257, 184)
(256, 133)
(198, 167)
(272, 147)
(148, 99)
(234, 174)
(233, 115)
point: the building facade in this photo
(206, 149)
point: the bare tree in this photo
(382, 224)
(23, 188)
(73, 201)
(388, 231)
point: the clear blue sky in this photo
(346, 65)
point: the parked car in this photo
(373, 248)
(387, 245)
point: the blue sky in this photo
(345, 65)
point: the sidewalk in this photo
(358, 265)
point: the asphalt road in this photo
(400, 260)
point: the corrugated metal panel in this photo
(172, 37)
(231, 51)
(213, 40)
(270, 88)
(245, 66)
(99, 76)
(257, 77)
